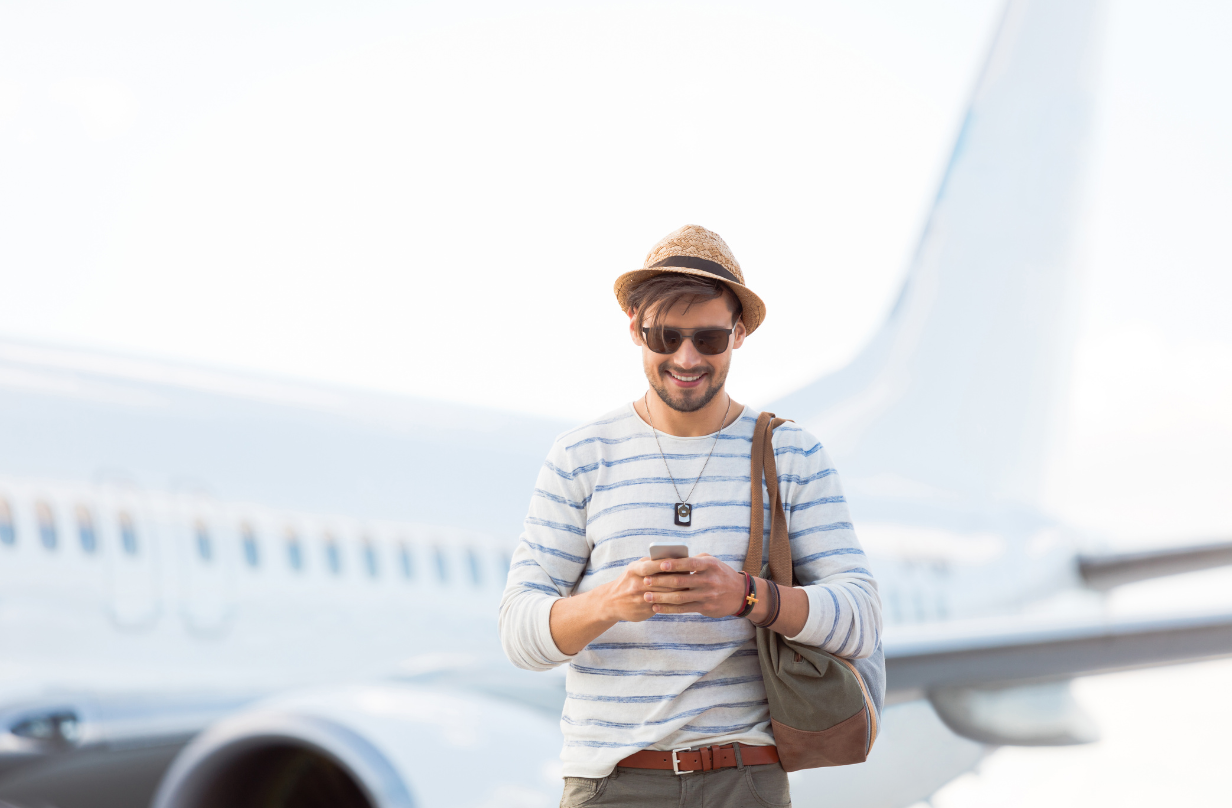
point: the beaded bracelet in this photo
(750, 596)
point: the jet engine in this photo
(378, 746)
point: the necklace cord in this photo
(670, 476)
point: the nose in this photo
(686, 355)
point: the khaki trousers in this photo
(742, 787)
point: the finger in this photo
(677, 597)
(665, 581)
(663, 608)
(643, 567)
(691, 564)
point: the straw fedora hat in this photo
(694, 250)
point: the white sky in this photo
(434, 199)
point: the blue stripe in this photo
(547, 464)
(834, 627)
(808, 531)
(664, 646)
(606, 744)
(847, 639)
(643, 672)
(667, 480)
(719, 730)
(794, 478)
(558, 581)
(813, 503)
(697, 506)
(552, 551)
(609, 441)
(575, 530)
(602, 422)
(622, 699)
(642, 458)
(651, 457)
(624, 562)
(598, 722)
(620, 562)
(539, 587)
(539, 492)
(828, 553)
(629, 506)
(684, 533)
(731, 680)
(797, 450)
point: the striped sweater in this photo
(683, 680)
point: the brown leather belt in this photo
(705, 759)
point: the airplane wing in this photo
(1103, 572)
(992, 654)
(1006, 684)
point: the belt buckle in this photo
(676, 760)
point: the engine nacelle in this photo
(377, 746)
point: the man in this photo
(662, 654)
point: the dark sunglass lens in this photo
(663, 340)
(710, 343)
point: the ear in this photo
(738, 334)
(633, 332)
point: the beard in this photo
(687, 400)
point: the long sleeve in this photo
(547, 564)
(844, 607)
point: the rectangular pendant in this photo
(684, 514)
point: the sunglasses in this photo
(707, 341)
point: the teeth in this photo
(686, 378)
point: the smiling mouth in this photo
(680, 377)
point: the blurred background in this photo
(433, 199)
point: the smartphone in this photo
(660, 550)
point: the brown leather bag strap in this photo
(762, 466)
(780, 542)
(757, 521)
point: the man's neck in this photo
(688, 424)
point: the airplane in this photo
(219, 588)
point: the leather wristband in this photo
(775, 603)
(750, 596)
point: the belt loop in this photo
(736, 749)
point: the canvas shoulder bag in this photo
(824, 710)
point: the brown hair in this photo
(658, 294)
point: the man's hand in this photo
(701, 584)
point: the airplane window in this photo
(442, 571)
(295, 554)
(85, 529)
(370, 560)
(46, 525)
(7, 534)
(404, 559)
(202, 535)
(128, 533)
(248, 537)
(332, 556)
(473, 560)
